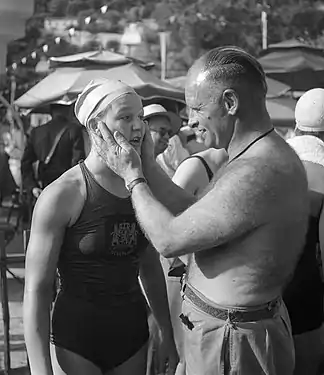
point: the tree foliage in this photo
(194, 25)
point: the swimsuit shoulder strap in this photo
(209, 172)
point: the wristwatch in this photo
(135, 182)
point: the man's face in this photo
(160, 129)
(208, 116)
(126, 116)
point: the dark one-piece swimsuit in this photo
(100, 312)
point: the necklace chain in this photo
(251, 144)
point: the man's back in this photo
(265, 189)
(69, 150)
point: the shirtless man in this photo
(243, 237)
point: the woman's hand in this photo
(118, 154)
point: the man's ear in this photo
(231, 101)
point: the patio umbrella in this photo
(64, 84)
(282, 111)
(291, 44)
(297, 65)
(275, 88)
(103, 57)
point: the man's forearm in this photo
(153, 217)
(167, 192)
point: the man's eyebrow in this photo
(196, 107)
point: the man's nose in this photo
(193, 123)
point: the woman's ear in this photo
(93, 126)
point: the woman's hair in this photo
(98, 114)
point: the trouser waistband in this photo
(234, 315)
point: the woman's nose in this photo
(138, 124)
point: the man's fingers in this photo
(121, 140)
(97, 140)
(106, 134)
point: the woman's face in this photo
(125, 115)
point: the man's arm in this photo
(174, 198)
(235, 205)
(27, 170)
(78, 152)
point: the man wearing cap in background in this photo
(304, 294)
(163, 125)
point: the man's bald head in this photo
(229, 67)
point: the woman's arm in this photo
(50, 220)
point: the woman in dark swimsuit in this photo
(84, 226)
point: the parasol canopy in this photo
(65, 83)
(297, 65)
(282, 111)
(102, 57)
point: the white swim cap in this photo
(308, 148)
(309, 111)
(98, 94)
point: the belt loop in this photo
(229, 320)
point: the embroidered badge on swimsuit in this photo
(124, 238)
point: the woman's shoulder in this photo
(214, 157)
(65, 196)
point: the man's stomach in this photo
(231, 282)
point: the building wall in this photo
(13, 16)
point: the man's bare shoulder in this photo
(275, 172)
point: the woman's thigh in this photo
(65, 362)
(136, 365)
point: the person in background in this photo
(173, 156)
(197, 171)
(14, 148)
(193, 174)
(304, 294)
(163, 125)
(68, 152)
(84, 225)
